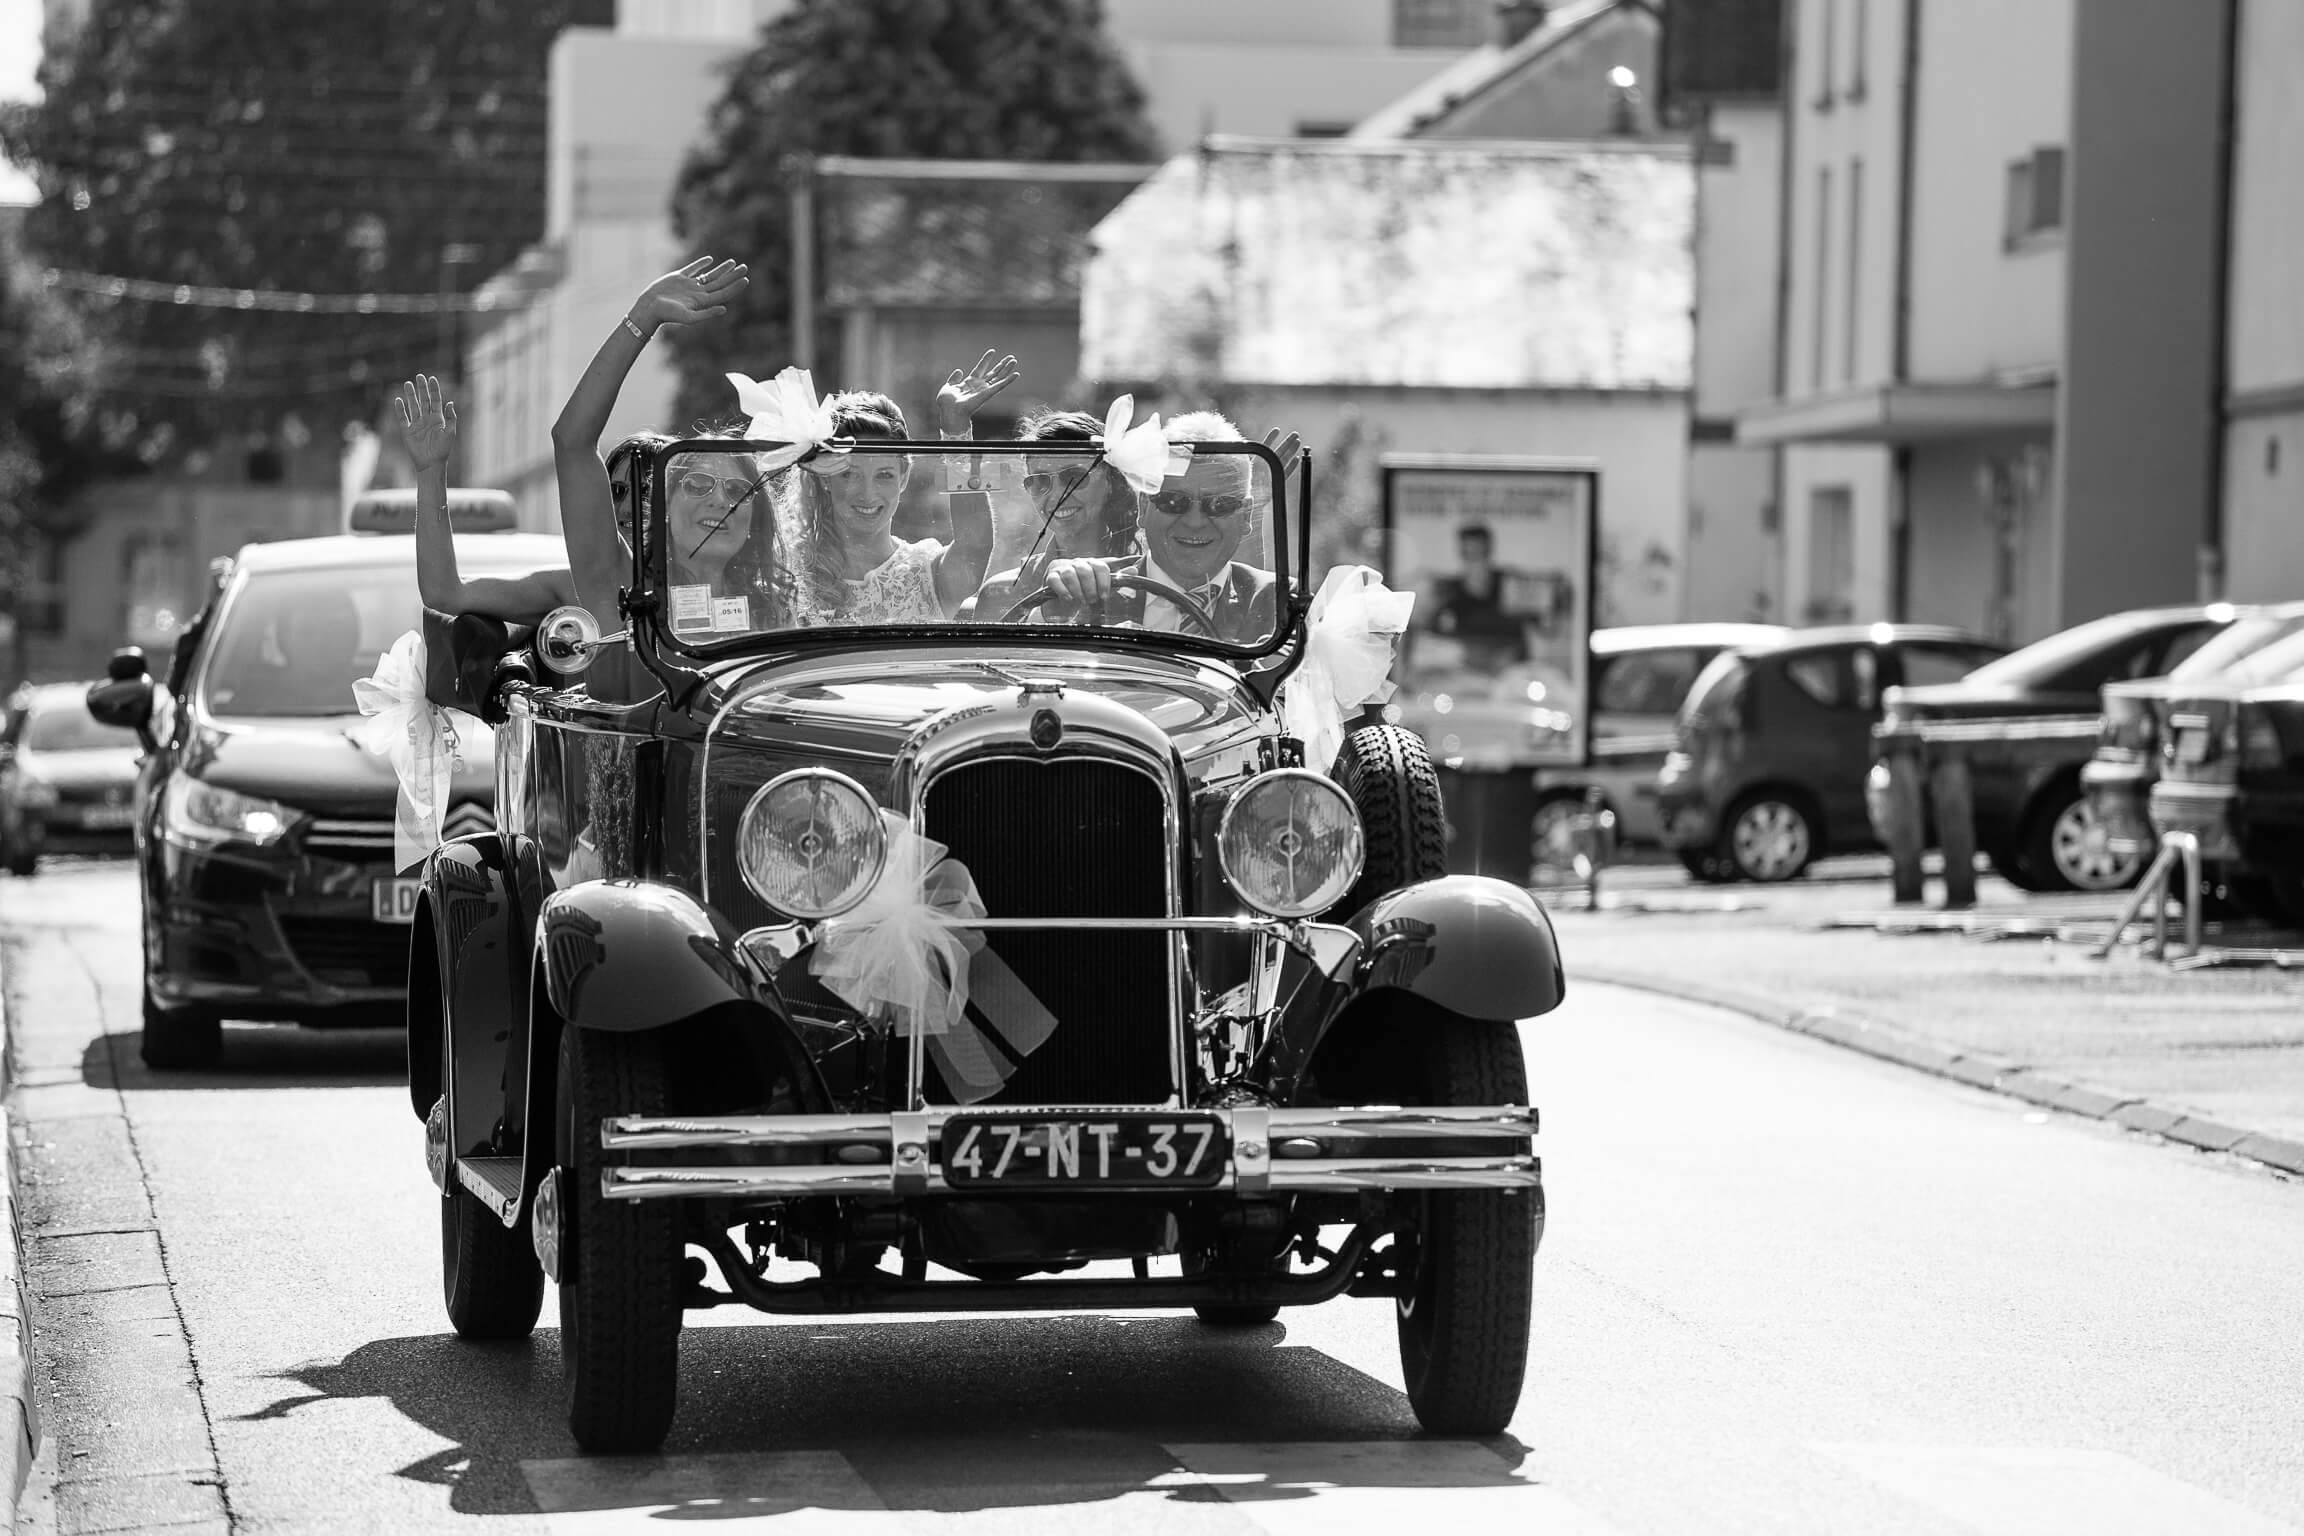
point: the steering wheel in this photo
(1123, 581)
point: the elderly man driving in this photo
(1192, 527)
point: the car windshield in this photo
(62, 724)
(2282, 662)
(289, 642)
(1043, 536)
(2240, 639)
(2080, 657)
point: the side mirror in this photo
(125, 702)
(127, 663)
(569, 639)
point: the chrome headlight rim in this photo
(876, 840)
(1293, 912)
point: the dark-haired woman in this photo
(1078, 508)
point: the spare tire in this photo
(1388, 773)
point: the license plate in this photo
(394, 901)
(106, 817)
(1037, 1152)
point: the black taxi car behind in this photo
(1774, 742)
(1177, 1020)
(67, 783)
(264, 836)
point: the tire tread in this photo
(1388, 773)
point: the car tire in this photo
(1768, 837)
(490, 1277)
(1216, 1315)
(1388, 774)
(1707, 867)
(1464, 1324)
(23, 863)
(180, 1039)
(2063, 848)
(620, 1283)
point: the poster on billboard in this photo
(1502, 554)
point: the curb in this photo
(19, 1401)
(1994, 1074)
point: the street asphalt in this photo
(1784, 1288)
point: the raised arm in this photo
(961, 564)
(597, 553)
(429, 422)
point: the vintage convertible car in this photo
(929, 965)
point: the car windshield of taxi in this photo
(750, 547)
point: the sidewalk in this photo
(2210, 1057)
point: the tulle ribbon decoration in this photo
(906, 951)
(417, 737)
(1355, 627)
(1141, 453)
(786, 409)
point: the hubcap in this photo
(436, 1143)
(1771, 840)
(544, 1224)
(2081, 845)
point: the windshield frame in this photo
(648, 609)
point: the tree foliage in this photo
(43, 458)
(1033, 80)
(300, 145)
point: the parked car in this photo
(2232, 774)
(1772, 747)
(2032, 817)
(264, 836)
(2118, 778)
(1640, 674)
(67, 784)
(1000, 948)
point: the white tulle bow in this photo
(1141, 453)
(905, 951)
(417, 737)
(1355, 627)
(786, 409)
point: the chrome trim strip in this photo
(1326, 1174)
(623, 1133)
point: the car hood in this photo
(1990, 701)
(315, 765)
(82, 768)
(872, 702)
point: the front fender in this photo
(475, 978)
(629, 955)
(1476, 946)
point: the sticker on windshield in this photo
(692, 609)
(732, 613)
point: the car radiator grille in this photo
(1071, 837)
(349, 952)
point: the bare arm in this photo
(429, 421)
(960, 565)
(597, 554)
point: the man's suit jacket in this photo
(1245, 607)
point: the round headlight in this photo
(1290, 843)
(810, 843)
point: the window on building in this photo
(1822, 277)
(1826, 10)
(1831, 555)
(2035, 196)
(1855, 268)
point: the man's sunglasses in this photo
(1178, 503)
(697, 483)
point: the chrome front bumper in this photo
(894, 1155)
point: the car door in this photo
(1830, 701)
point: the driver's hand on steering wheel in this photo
(1086, 584)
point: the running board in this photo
(494, 1182)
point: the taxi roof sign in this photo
(470, 510)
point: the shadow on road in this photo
(984, 1413)
(259, 1056)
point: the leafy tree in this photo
(1033, 80)
(299, 145)
(43, 459)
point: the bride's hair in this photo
(805, 511)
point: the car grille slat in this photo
(360, 839)
(351, 952)
(1071, 837)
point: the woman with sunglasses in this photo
(1075, 508)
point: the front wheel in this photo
(180, 1039)
(1464, 1324)
(1388, 774)
(620, 1277)
(1771, 837)
(490, 1277)
(2068, 847)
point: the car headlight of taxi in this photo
(1290, 843)
(810, 843)
(194, 812)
